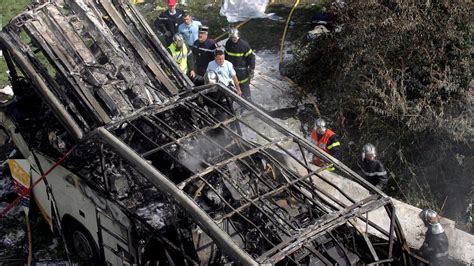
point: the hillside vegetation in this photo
(399, 75)
(8, 9)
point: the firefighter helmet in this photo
(368, 149)
(234, 33)
(429, 216)
(320, 126)
(211, 77)
(178, 39)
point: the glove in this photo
(251, 73)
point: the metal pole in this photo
(392, 225)
(1, 27)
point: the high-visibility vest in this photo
(321, 143)
(180, 56)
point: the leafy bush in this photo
(399, 74)
(405, 61)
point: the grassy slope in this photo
(9, 9)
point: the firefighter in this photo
(225, 71)
(325, 139)
(435, 247)
(168, 21)
(203, 52)
(239, 53)
(372, 169)
(189, 29)
(179, 51)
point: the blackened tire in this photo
(81, 245)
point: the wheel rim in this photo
(82, 246)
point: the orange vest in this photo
(321, 143)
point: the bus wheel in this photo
(81, 245)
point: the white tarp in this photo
(239, 10)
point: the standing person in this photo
(168, 21)
(239, 53)
(203, 52)
(179, 51)
(225, 71)
(373, 169)
(325, 139)
(189, 29)
(436, 244)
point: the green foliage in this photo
(8, 9)
(407, 62)
(399, 75)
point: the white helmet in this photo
(234, 33)
(178, 39)
(369, 149)
(320, 126)
(211, 77)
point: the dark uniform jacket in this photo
(435, 247)
(242, 57)
(167, 22)
(203, 54)
(374, 172)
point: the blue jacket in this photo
(189, 32)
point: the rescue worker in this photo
(179, 51)
(325, 139)
(189, 29)
(225, 71)
(168, 21)
(239, 53)
(372, 169)
(203, 52)
(436, 244)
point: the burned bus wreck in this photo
(159, 171)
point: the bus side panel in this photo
(73, 197)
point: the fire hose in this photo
(282, 44)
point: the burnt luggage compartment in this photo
(200, 181)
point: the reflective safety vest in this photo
(180, 56)
(322, 144)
